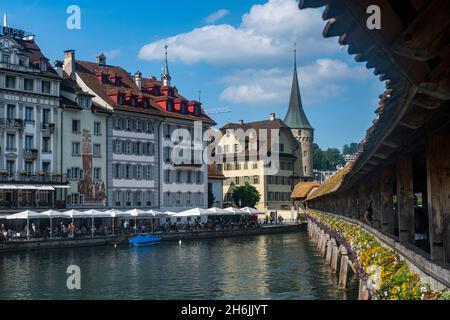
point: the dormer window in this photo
(43, 65)
(133, 101)
(84, 102)
(22, 62)
(120, 99)
(145, 103)
(5, 58)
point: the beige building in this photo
(251, 158)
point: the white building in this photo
(29, 101)
(82, 152)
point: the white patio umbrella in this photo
(117, 214)
(194, 212)
(26, 215)
(236, 210)
(220, 212)
(140, 214)
(53, 214)
(96, 214)
(251, 210)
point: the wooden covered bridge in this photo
(403, 166)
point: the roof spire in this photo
(165, 76)
(5, 20)
(296, 117)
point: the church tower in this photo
(301, 128)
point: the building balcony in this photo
(30, 154)
(12, 123)
(32, 177)
(48, 127)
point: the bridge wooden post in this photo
(363, 293)
(387, 203)
(323, 244)
(405, 194)
(343, 269)
(438, 186)
(329, 249)
(334, 256)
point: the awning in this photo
(61, 187)
(8, 187)
(27, 187)
(45, 188)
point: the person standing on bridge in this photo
(368, 215)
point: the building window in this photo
(75, 149)
(281, 147)
(138, 172)
(46, 167)
(97, 150)
(149, 126)
(11, 112)
(149, 198)
(28, 143)
(97, 128)
(117, 167)
(255, 165)
(11, 142)
(128, 199)
(76, 126)
(97, 174)
(29, 167)
(255, 179)
(117, 146)
(29, 114)
(138, 198)
(5, 58)
(10, 82)
(117, 198)
(226, 148)
(305, 154)
(46, 145)
(148, 173)
(128, 171)
(46, 87)
(10, 166)
(28, 84)
(117, 123)
(138, 125)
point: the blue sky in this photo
(238, 53)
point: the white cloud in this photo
(267, 32)
(216, 16)
(319, 81)
(112, 54)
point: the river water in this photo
(278, 266)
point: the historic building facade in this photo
(293, 152)
(82, 144)
(141, 136)
(239, 167)
(29, 101)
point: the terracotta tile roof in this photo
(90, 71)
(214, 172)
(332, 184)
(30, 49)
(303, 189)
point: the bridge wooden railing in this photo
(386, 269)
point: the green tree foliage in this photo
(326, 159)
(248, 195)
(351, 148)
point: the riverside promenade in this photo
(40, 244)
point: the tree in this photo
(246, 196)
(350, 149)
(324, 160)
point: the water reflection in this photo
(283, 266)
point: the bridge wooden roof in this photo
(411, 53)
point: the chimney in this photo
(272, 116)
(59, 67)
(101, 59)
(241, 122)
(138, 79)
(69, 63)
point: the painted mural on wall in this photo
(93, 191)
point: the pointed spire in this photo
(296, 117)
(165, 76)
